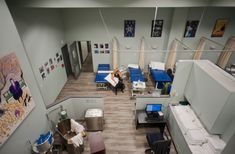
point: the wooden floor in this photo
(120, 135)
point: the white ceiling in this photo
(120, 3)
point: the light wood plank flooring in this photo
(120, 135)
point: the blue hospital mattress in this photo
(135, 71)
(100, 78)
(136, 74)
(103, 67)
(160, 76)
(136, 77)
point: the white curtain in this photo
(141, 55)
(115, 53)
(226, 53)
(200, 47)
(171, 59)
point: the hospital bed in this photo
(137, 80)
(102, 72)
(158, 74)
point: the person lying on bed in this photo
(120, 85)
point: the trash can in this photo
(64, 128)
(94, 119)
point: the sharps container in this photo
(94, 119)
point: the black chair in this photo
(158, 143)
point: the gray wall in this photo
(206, 26)
(41, 31)
(36, 122)
(86, 24)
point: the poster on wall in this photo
(156, 30)
(16, 101)
(129, 28)
(191, 28)
(219, 27)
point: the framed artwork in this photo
(57, 54)
(101, 51)
(45, 64)
(129, 28)
(101, 46)
(43, 75)
(16, 101)
(106, 45)
(50, 61)
(219, 27)
(41, 69)
(156, 30)
(48, 70)
(107, 51)
(96, 51)
(96, 46)
(52, 67)
(191, 28)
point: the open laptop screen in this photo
(153, 107)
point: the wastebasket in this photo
(64, 127)
(94, 119)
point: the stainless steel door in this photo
(74, 59)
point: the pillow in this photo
(133, 65)
(157, 65)
(110, 80)
(104, 71)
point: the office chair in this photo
(158, 143)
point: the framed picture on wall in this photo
(96, 46)
(191, 28)
(129, 28)
(219, 27)
(156, 30)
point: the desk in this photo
(141, 121)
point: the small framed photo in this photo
(48, 70)
(101, 46)
(101, 51)
(50, 61)
(41, 69)
(45, 64)
(106, 45)
(107, 51)
(43, 75)
(96, 51)
(96, 46)
(52, 67)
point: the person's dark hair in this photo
(170, 73)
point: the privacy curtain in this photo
(171, 59)
(141, 55)
(226, 53)
(200, 47)
(115, 53)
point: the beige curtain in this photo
(226, 53)
(115, 53)
(141, 55)
(200, 47)
(171, 59)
